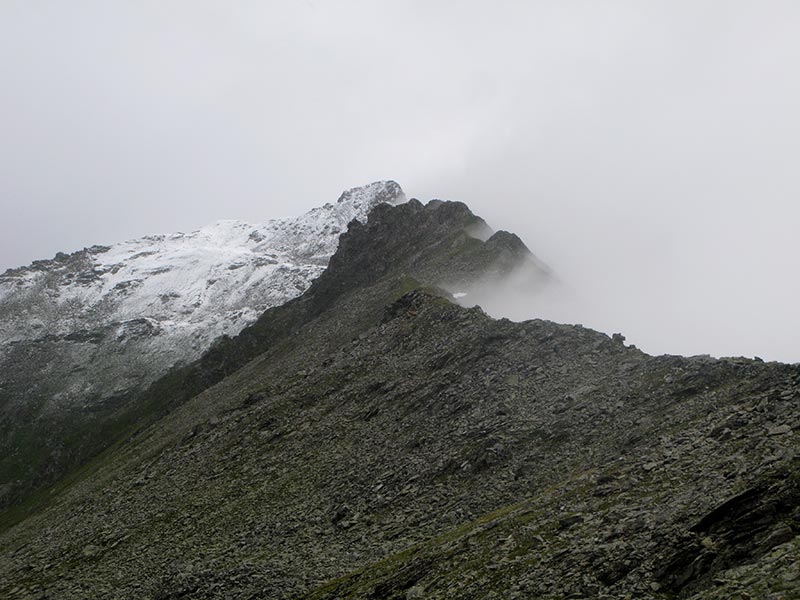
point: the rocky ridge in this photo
(372, 439)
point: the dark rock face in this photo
(741, 531)
(371, 439)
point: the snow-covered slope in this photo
(124, 314)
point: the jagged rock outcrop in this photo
(372, 439)
(82, 335)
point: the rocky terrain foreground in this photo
(373, 439)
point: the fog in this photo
(646, 151)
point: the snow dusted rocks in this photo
(189, 287)
(84, 330)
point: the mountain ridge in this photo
(373, 439)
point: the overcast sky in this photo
(647, 150)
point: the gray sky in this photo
(647, 150)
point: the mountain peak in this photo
(131, 311)
(372, 194)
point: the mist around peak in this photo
(531, 290)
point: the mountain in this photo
(84, 334)
(371, 438)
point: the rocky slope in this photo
(372, 439)
(82, 335)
